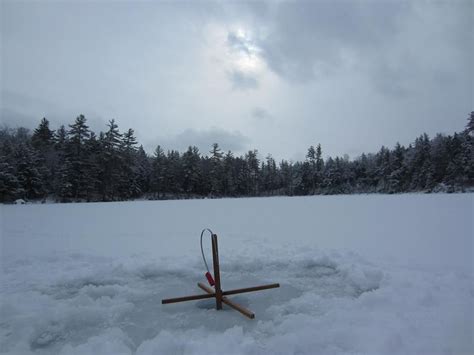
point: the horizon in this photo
(207, 153)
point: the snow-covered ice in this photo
(367, 274)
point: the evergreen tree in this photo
(397, 176)
(192, 171)
(470, 124)
(420, 164)
(383, 169)
(269, 175)
(216, 170)
(30, 172)
(143, 170)
(43, 141)
(129, 142)
(305, 180)
(92, 168)
(111, 162)
(77, 135)
(287, 184)
(158, 168)
(311, 159)
(468, 159)
(43, 137)
(64, 185)
(61, 139)
(75, 165)
(173, 173)
(454, 170)
(439, 157)
(229, 175)
(252, 173)
(328, 166)
(129, 185)
(9, 185)
(242, 183)
(319, 164)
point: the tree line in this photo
(75, 164)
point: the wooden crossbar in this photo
(250, 289)
(188, 298)
(228, 302)
(212, 294)
(217, 292)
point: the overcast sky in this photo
(274, 76)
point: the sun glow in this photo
(244, 52)
(248, 63)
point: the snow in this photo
(366, 274)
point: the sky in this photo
(276, 76)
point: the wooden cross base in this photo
(217, 292)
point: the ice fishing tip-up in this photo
(217, 291)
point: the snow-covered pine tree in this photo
(229, 174)
(270, 176)
(30, 172)
(173, 173)
(397, 177)
(253, 171)
(61, 139)
(158, 167)
(92, 167)
(383, 169)
(455, 168)
(64, 181)
(338, 176)
(43, 137)
(470, 124)
(242, 184)
(143, 170)
(129, 186)
(311, 159)
(469, 156)
(9, 185)
(287, 177)
(192, 171)
(305, 179)
(216, 173)
(468, 151)
(78, 133)
(329, 180)
(319, 165)
(420, 164)
(43, 140)
(439, 157)
(77, 156)
(111, 162)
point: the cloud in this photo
(14, 119)
(203, 139)
(259, 114)
(20, 110)
(241, 80)
(400, 49)
(246, 63)
(385, 71)
(239, 43)
(307, 41)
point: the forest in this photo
(75, 164)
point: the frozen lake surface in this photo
(365, 274)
